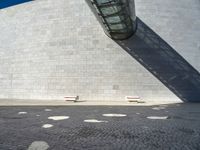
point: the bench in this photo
(136, 99)
(72, 98)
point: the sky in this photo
(9, 3)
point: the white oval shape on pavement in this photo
(58, 117)
(47, 126)
(21, 113)
(158, 108)
(94, 121)
(158, 117)
(114, 115)
(47, 110)
(38, 145)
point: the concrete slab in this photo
(24, 102)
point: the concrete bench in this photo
(136, 99)
(72, 98)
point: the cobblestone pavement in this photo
(173, 127)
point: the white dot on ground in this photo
(114, 115)
(158, 117)
(38, 145)
(158, 108)
(47, 110)
(47, 126)
(21, 113)
(58, 117)
(95, 121)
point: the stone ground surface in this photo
(147, 128)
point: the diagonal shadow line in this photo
(9, 3)
(158, 57)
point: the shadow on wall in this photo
(9, 3)
(150, 50)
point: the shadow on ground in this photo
(150, 50)
(9, 3)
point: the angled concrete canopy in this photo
(117, 18)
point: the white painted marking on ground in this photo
(158, 108)
(38, 145)
(94, 121)
(58, 117)
(21, 113)
(158, 117)
(47, 110)
(47, 126)
(138, 113)
(114, 115)
(37, 115)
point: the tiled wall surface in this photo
(50, 49)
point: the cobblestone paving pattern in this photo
(180, 131)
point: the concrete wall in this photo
(177, 22)
(50, 49)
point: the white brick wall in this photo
(50, 49)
